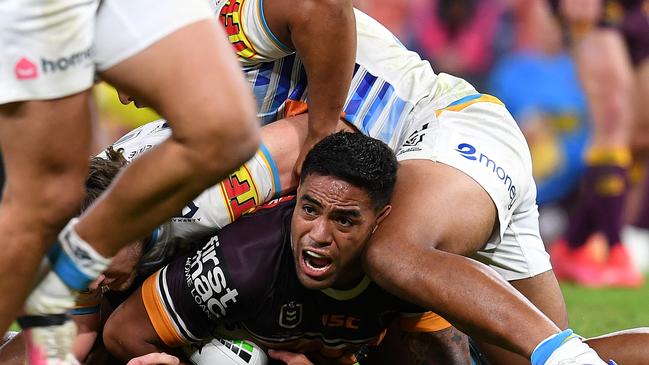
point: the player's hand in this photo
(155, 358)
(290, 358)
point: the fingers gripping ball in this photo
(226, 352)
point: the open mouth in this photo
(315, 264)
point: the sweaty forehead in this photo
(334, 192)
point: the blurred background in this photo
(575, 75)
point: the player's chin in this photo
(315, 283)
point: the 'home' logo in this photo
(63, 63)
(470, 153)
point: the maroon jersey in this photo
(245, 276)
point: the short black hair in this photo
(360, 160)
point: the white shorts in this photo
(51, 49)
(478, 136)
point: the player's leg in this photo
(607, 81)
(437, 205)
(192, 78)
(177, 61)
(45, 147)
(628, 347)
(45, 66)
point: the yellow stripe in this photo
(157, 313)
(619, 156)
(482, 99)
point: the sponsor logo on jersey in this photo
(230, 17)
(470, 153)
(63, 63)
(207, 281)
(240, 193)
(416, 137)
(187, 214)
(340, 320)
(290, 315)
(25, 69)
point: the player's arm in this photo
(323, 32)
(430, 339)
(448, 346)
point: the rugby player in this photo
(257, 181)
(609, 83)
(458, 149)
(292, 278)
(152, 50)
(51, 51)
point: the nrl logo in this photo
(290, 315)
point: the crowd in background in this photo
(523, 52)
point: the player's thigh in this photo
(628, 347)
(187, 71)
(45, 143)
(438, 205)
(607, 79)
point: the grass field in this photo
(596, 311)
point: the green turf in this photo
(596, 311)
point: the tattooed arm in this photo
(448, 346)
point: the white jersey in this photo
(251, 185)
(389, 80)
(396, 97)
(51, 49)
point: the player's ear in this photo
(384, 212)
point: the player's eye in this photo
(309, 210)
(345, 222)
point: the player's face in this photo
(331, 223)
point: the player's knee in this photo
(226, 144)
(59, 201)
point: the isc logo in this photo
(340, 320)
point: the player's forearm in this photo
(325, 39)
(449, 346)
(468, 294)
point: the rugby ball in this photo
(228, 352)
